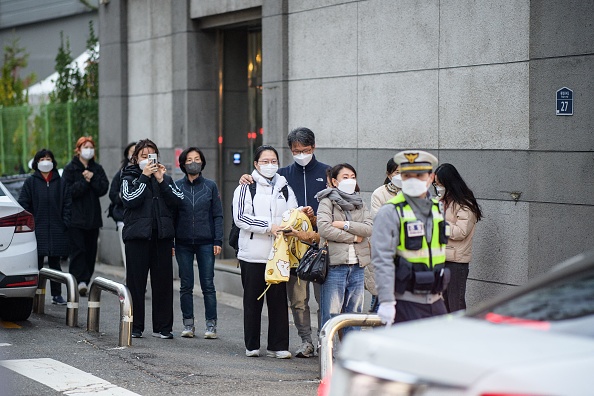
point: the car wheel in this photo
(16, 309)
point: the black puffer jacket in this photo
(148, 205)
(50, 203)
(86, 209)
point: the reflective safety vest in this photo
(413, 244)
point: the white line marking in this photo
(4, 344)
(64, 378)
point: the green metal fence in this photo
(26, 129)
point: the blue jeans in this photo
(342, 292)
(206, 260)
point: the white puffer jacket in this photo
(255, 218)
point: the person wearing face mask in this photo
(198, 233)
(151, 200)
(408, 245)
(87, 182)
(462, 212)
(259, 218)
(306, 176)
(344, 222)
(386, 191)
(117, 206)
(45, 195)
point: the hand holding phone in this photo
(152, 158)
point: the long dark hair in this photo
(391, 167)
(335, 170)
(456, 189)
(125, 159)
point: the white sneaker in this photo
(188, 331)
(82, 289)
(279, 354)
(254, 353)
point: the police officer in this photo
(408, 245)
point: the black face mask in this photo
(193, 168)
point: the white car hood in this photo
(457, 350)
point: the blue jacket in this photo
(306, 181)
(200, 216)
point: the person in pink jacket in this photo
(462, 213)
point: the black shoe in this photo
(163, 334)
(137, 334)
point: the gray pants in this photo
(298, 293)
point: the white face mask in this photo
(414, 187)
(143, 163)
(440, 190)
(45, 166)
(303, 159)
(268, 170)
(347, 186)
(87, 153)
(397, 180)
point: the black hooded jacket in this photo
(148, 205)
(86, 208)
(50, 203)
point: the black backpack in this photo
(234, 232)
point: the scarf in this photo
(347, 202)
(392, 188)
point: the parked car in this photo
(537, 340)
(18, 259)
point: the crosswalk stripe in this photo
(64, 378)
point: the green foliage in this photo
(12, 86)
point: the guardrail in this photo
(326, 337)
(97, 285)
(71, 296)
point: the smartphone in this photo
(286, 230)
(152, 158)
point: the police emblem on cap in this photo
(411, 157)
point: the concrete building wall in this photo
(472, 81)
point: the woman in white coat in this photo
(259, 220)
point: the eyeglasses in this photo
(304, 151)
(266, 162)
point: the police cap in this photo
(415, 161)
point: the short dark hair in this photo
(337, 168)
(184, 155)
(263, 148)
(125, 159)
(43, 153)
(141, 145)
(301, 135)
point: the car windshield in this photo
(566, 306)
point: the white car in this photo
(538, 340)
(18, 259)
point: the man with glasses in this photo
(306, 176)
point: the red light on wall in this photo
(220, 140)
(251, 135)
(261, 131)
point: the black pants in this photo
(83, 252)
(152, 255)
(54, 263)
(252, 279)
(407, 310)
(455, 294)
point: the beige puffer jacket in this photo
(339, 240)
(462, 221)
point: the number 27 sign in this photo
(564, 101)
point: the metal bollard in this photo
(98, 284)
(71, 294)
(326, 337)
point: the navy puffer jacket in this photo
(50, 204)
